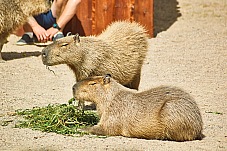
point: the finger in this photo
(41, 38)
(47, 35)
(38, 37)
(44, 38)
(51, 38)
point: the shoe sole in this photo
(23, 44)
(43, 43)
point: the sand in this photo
(189, 50)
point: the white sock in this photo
(30, 34)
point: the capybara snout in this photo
(44, 53)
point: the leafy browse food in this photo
(58, 118)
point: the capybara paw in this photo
(97, 130)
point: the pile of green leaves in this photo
(61, 119)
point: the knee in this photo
(61, 3)
(77, 1)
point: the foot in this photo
(25, 40)
(37, 43)
(58, 36)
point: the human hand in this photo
(41, 34)
(51, 32)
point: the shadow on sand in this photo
(15, 55)
(166, 13)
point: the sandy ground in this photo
(189, 51)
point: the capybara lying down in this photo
(119, 50)
(165, 113)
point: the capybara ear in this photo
(69, 34)
(76, 38)
(106, 79)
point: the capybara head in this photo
(91, 88)
(62, 51)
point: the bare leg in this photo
(57, 7)
(27, 28)
(64, 10)
(56, 10)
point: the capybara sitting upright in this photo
(165, 113)
(119, 50)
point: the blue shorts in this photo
(46, 20)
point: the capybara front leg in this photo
(81, 105)
(97, 130)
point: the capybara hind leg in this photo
(135, 82)
(97, 130)
(1, 60)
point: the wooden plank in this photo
(84, 15)
(144, 14)
(82, 22)
(94, 15)
(123, 10)
(102, 14)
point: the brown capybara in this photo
(165, 113)
(119, 50)
(14, 13)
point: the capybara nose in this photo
(74, 89)
(44, 53)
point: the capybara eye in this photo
(64, 44)
(92, 83)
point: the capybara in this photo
(14, 13)
(164, 112)
(119, 50)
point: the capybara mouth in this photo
(45, 62)
(49, 63)
(44, 55)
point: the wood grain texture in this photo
(93, 16)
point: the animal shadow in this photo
(15, 55)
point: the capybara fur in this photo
(119, 50)
(164, 112)
(14, 13)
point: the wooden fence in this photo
(94, 15)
